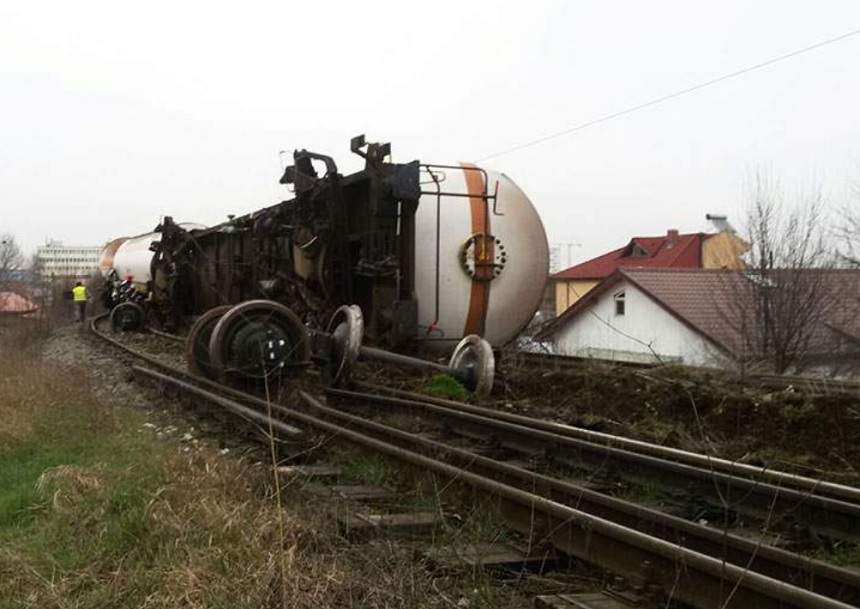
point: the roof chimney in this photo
(672, 234)
(720, 223)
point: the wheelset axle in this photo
(258, 339)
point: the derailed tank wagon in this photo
(407, 257)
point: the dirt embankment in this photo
(814, 433)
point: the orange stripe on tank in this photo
(479, 297)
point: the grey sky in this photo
(113, 113)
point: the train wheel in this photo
(473, 359)
(346, 328)
(197, 343)
(257, 339)
(127, 317)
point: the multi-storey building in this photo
(55, 260)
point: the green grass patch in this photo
(445, 386)
(366, 468)
(844, 554)
(74, 482)
(75, 490)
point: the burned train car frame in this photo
(341, 240)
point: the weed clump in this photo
(445, 386)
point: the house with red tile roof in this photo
(672, 250)
(686, 316)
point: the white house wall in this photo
(644, 330)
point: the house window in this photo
(619, 303)
(638, 251)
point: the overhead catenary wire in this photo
(673, 95)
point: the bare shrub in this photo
(848, 231)
(11, 259)
(780, 304)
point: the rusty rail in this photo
(832, 517)
(167, 335)
(700, 580)
(775, 562)
(778, 478)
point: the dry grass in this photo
(67, 487)
(98, 510)
(33, 393)
(208, 536)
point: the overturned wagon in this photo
(409, 257)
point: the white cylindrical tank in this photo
(131, 257)
(482, 260)
(108, 254)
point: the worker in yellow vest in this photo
(80, 296)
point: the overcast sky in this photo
(113, 113)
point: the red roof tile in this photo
(681, 251)
(700, 298)
(16, 304)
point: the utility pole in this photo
(570, 245)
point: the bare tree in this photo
(780, 304)
(848, 231)
(34, 269)
(11, 258)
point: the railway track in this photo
(778, 497)
(701, 566)
(778, 478)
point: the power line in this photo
(659, 100)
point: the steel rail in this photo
(832, 517)
(779, 478)
(776, 477)
(820, 577)
(700, 580)
(293, 433)
(114, 342)
(167, 335)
